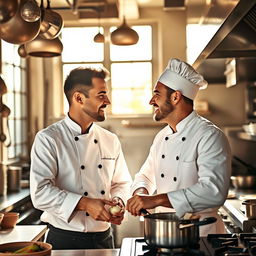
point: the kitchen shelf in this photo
(246, 136)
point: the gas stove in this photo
(243, 244)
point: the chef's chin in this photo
(100, 118)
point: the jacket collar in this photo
(74, 126)
(183, 123)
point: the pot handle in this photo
(205, 221)
(144, 211)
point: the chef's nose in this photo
(107, 101)
(152, 101)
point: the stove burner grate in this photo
(149, 251)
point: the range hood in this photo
(236, 37)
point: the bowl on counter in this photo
(250, 128)
(28, 248)
(9, 220)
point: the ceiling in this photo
(197, 10)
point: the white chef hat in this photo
(180, 76)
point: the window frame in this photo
(23, 92)
(107, 62)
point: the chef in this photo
(78, 171)
(189, 164)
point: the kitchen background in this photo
(177, 29)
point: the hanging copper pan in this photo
(7, 9)
(17, 30)
(51, 24)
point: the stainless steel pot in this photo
(243, 181)
(13, 178)
(167, 230)
(250, 208)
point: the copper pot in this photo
(17, 30)
(7, 9)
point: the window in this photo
(13, 73)
(130, 66)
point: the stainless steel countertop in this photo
(94, 252)
(11, 199)
(236, 210)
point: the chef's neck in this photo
(82, 122)
(177, 116)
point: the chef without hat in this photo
(180, 76)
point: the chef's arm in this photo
(214, 168)
(161, 200)
(139, 201)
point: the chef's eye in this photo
(102, 96)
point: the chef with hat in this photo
(189, 164)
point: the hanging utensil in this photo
(99, 38)
(3, 87)
(17, 30)
(8, 8)
(4, 113)
(52, 22)
(30, 11)
(40, 47)
(22, 51)
(6, 132)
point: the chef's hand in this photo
(118, 217)
(95, 208)
(138, 202)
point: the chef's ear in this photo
(78, 97)
(176, 96)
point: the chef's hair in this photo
(80, 79)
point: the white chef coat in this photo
(66, 165)
(192, 166)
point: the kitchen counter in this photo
(94, 252)
(22, 233)
(10, 200)
(234, 212)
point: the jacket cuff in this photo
(69, 206)
(145, 185)
(179, 202)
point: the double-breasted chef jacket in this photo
(66, 165)
(193, 166)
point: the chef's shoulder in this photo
(208, 131)
(50, 133)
